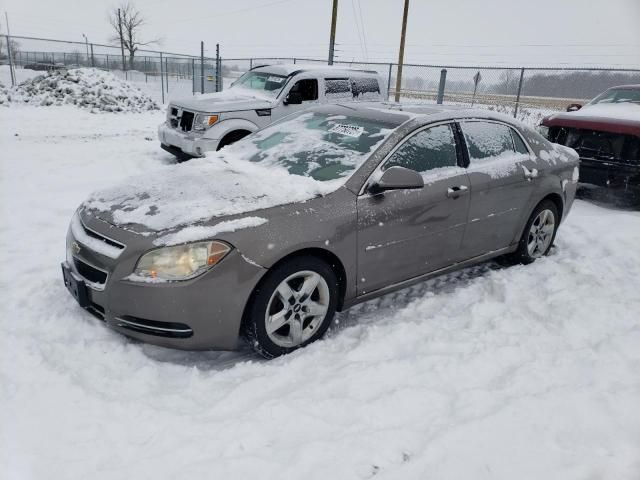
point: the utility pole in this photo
(124, 68)
(401, 54)
(13, 73)
(86, 44)
(332, 37)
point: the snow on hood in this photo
(202, 189)
(614, 111)
(233, 99)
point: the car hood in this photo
(623, 118)
(233, 99)
(202, 193)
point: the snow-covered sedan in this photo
(313, 214)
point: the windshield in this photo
(264, 82)
(317, 145)
(618, 95)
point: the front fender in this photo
(219, 130)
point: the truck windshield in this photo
(317, 145)
(618, 95)
(261, 82)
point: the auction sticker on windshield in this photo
(349, 130)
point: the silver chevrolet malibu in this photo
(268, 238)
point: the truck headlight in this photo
(542, 130)
(202, 122)
(181, 262)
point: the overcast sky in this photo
(453, 32)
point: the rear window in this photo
(337, 89)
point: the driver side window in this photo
(428, 149)
(307, 88)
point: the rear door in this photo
(502, 175)
(406, 233)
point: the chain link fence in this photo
(518, 91)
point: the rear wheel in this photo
(538, 235)
(292, 307)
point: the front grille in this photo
(89, 272)
(598, 145)
(186, 121)
(102, 238)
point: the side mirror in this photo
(573, 107)
(293, 98)
(397, 178)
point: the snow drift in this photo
(84, 87)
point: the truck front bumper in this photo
(175, 141)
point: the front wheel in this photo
(292, 307)
(538, 235)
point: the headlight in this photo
(202, 122)
(544, 131)
(182, 261)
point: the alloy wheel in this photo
(541, 234)
(297, 308)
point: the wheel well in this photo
(331, 259)
(557, 200)
(231, 137)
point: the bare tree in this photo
(127, 22)
(4, 53)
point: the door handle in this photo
(529, 174)
(455, 192)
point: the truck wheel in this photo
(292, 307)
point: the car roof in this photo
(626, 87)
(396, 114)
(293, 68)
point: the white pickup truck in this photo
(259, 97)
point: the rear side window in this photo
(518, 143)
(487, 140)
(365, 88)
(337, 88)
(427, 150)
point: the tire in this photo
(540, 232)
(278, 318)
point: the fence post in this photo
(93, 62)
(515, 110)
(166, 72)
(201, 67)
(145, 69)
(193, 76)
(10, 55)
(217, 67)
(389, 80)
(443, 81)
(161, 78)
(250, 63)
(107, 62)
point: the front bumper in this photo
(189, 143)
(198, 314)
(613, 175)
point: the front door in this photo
(406, 233)
(308, 90)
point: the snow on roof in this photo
(617, 111)
(289, 68)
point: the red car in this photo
(606, 134)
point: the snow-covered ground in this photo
(528, 372)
